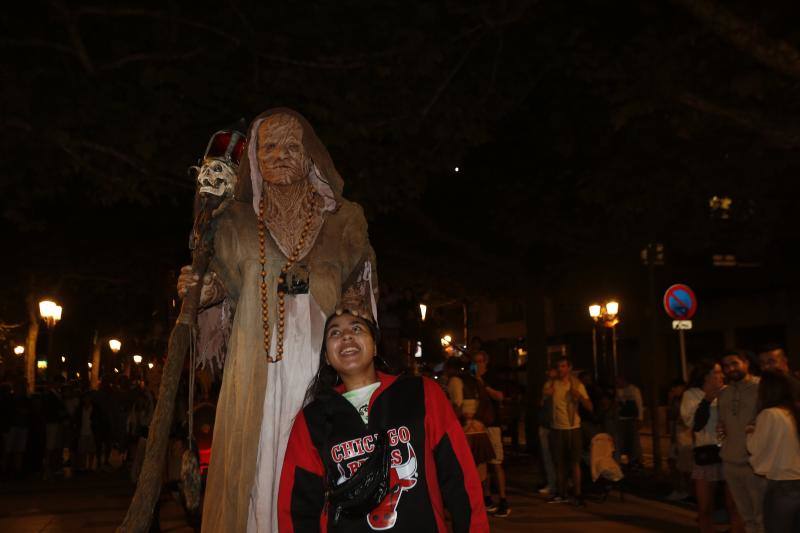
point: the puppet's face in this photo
(216, 177)
(281, 157)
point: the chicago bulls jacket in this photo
(432, 467)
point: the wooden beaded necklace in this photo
(262, 259)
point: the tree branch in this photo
(75, 36)
(158, 15)
(783, 137)
(449, 78)
(142, 57)
(746, 36)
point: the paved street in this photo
(91, 503)
(532, 513)
(97, 503)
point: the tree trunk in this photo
(537, 361)
(657, 355)
(30, 344)
(94, 374)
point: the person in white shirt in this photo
(774, 445)
(699, 411)
(567, 392)
(631, 414)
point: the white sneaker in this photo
(544, 491)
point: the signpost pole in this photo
(614, 350)
(594, 352)
(682, 341)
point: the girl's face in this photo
(349, 346)
(715, 377)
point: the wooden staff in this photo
(148, 489)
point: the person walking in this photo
(774, 444)
(567, 392)
(472, 406)
(700, 411)
(631, 415)
(493, 397)
(737, 410)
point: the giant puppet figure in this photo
(286, 252)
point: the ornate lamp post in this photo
(606, 316)
(51, 314)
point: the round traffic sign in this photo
(680, 302)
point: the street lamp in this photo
(51, 314)
(50, 311)
(115, 345)
(19, 349)
(150, 366)
(137, 359)
(423, 311)
(608, 316)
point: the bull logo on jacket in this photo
(402, 476)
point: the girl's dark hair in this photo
(325, 380)
(776, 390)
(701, 369)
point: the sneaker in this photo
(545, 491)
(502, 509)
(556, 499)
(491, 507)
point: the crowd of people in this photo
(733, 432)
(740, 430)
(66, 428)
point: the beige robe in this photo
(238, 454)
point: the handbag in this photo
(706, 455)
(366, 489)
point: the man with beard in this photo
(773, 358)
(738, 409)
(288, 250)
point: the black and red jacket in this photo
(432, 466)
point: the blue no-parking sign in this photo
(680, 302)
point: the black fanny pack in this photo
(366, 489)
(706, 455)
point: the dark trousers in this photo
(629, 441)
(565, 447)
(782, 507)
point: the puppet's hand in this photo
(211, 291)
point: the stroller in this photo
(606, 473)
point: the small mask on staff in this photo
(216, 175)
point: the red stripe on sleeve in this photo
(440, 420)
(300, 453)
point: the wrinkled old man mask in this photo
(281, 157)
(216, 177)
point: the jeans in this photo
(547, 458)
(782, 506)
(747, 490)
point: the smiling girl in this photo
(357, 414)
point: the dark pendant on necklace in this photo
(295, 281)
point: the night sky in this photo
(582, 131)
